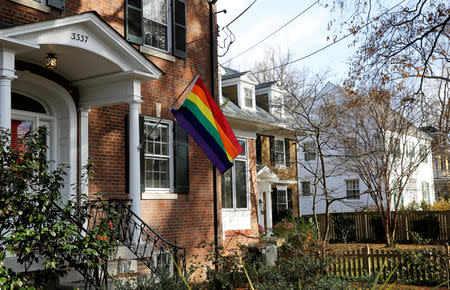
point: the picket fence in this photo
(359, 263)
(362, 228)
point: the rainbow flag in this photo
(200, 116)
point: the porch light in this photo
(50, 61)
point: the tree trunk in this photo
(327, 221)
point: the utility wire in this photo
(331, 44)
(226, 26)
(284, 25)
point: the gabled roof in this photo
(231, 73)
(259, 116)
(265, 85)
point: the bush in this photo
(427, 227)
(442, 205)
(35, 224)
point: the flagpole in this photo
(213, 91)
(161, 118)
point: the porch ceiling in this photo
(73, 63)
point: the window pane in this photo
(155, 34)
(241, 184)
(156, 10)
(227, 194)
(244, 153)
(281, 199)
(21, 102)
(306, 190)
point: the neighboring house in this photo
(441, 165)
(347, 186)
(118, 71)
(261, 188)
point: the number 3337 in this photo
(79, 37)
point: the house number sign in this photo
(79, 37)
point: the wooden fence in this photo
(431, 268)
(366, 226)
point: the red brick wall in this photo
(189, 219)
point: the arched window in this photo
(28, 114)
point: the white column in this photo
(84, 150)
(135, 172)
(7, 57)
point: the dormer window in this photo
(248, 98)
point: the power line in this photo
(328, 45)
(237, 17)
(226, 26)
(284, 25)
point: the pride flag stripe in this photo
(200, 116)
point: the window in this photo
(156, 18)
(235, 182)
(160, 24)
(352, 187)
(43, 5)
(158, 155)
(164, 158)
(410, 150)
(309, 148)
(248, 98)
(282, 199)
(423, 153)
(279, 152)
(306, 188)
(426, 192)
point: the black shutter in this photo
(258, 149)
(287, 152)
(181, 163)
(272, 150)
(142, 151)
(274, 202)
(133, 21)
(289, 197)
(58, 4)
(179, 28)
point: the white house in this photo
(347, 187)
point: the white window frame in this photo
(39, 119)
(282, 188)
(169, 26)
(38, 5)
(165, 191)
(246, 89)
(283, 164)
(240, 157)
(358, 195)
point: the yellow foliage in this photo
(441, 205)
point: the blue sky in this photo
(303, 36)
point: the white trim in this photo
(33, 4)
(170, 190)
(105, 40)
(63, 108)
(287, 181)
(156, 53)
(159, 195)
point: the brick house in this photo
(120, 66)
(262, 186)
